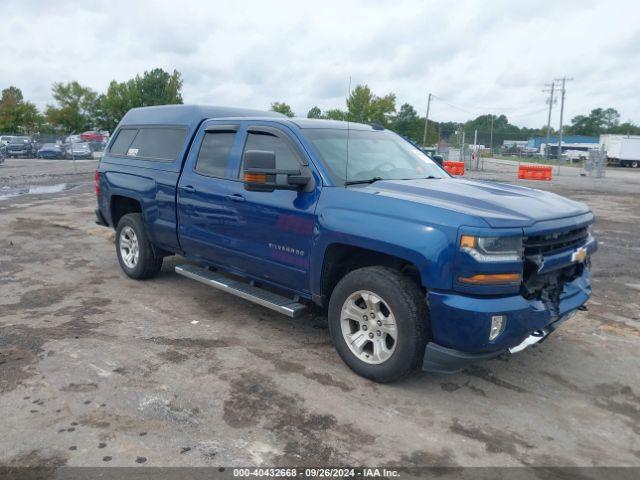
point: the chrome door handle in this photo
(188, 189)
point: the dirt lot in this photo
(97, 369)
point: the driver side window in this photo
(287, 158)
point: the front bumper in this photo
(439, 359)
(18, 152)
(460, 324)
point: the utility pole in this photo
(491, 137)
(552, 85)
(563, 80)
(426, 122)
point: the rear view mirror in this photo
(260, 173)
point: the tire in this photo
(403, 301)
(634, 164)
(143, 263)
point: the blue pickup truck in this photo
(415, 269)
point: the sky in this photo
(475, 57)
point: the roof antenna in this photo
(346, 166)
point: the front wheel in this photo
(136, 255)
(378, 319)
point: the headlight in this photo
(492, 249)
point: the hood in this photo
(500, 205)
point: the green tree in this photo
(31, 119)
(75, 109)
(408, 124)
(119, 99)
(314, 113)
(16, 115)
(283, 108)
(359, 104)
(158, 87)
(155, 87)
(364, 107)
(611, 118)
(626, 128)
(335, 114)
(382, 108)
(598, 121)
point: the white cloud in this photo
(479, 56)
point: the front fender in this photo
(427, 247)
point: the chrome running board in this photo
(274, 301)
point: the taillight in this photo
(97, 183)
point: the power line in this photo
(482, 109)
(458, 107)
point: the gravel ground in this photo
(97, 369)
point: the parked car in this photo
(416, 269)
(4, 140)
(92, 137)
(51, 151)
(21, 147)
(79, 150)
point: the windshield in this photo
(19, 140)
(80, 146)
(50, 145)
(373, 154)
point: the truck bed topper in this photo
(188, 115)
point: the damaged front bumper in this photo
(439, 359)
(460, 324)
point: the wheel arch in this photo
(342, 258)
(121, 205)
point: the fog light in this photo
(497, 324)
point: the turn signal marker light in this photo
(492, 279)
(468, 241)
(255, 177)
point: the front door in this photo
(274, 231)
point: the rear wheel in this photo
(136, 255)
(378, 321)
(635, 164)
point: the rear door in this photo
(204, 216)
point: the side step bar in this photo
(279, 303)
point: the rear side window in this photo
(213, 157)
(286, 155)
(123, 140)
(162, 143)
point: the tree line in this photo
(78, 108)
(364, 106)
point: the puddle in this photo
(9, 192)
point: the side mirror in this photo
(438, 159)
(260, 173)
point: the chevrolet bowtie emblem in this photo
(579, 256)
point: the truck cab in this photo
(415, 268)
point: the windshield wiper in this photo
(360, 182)
(429, 177)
